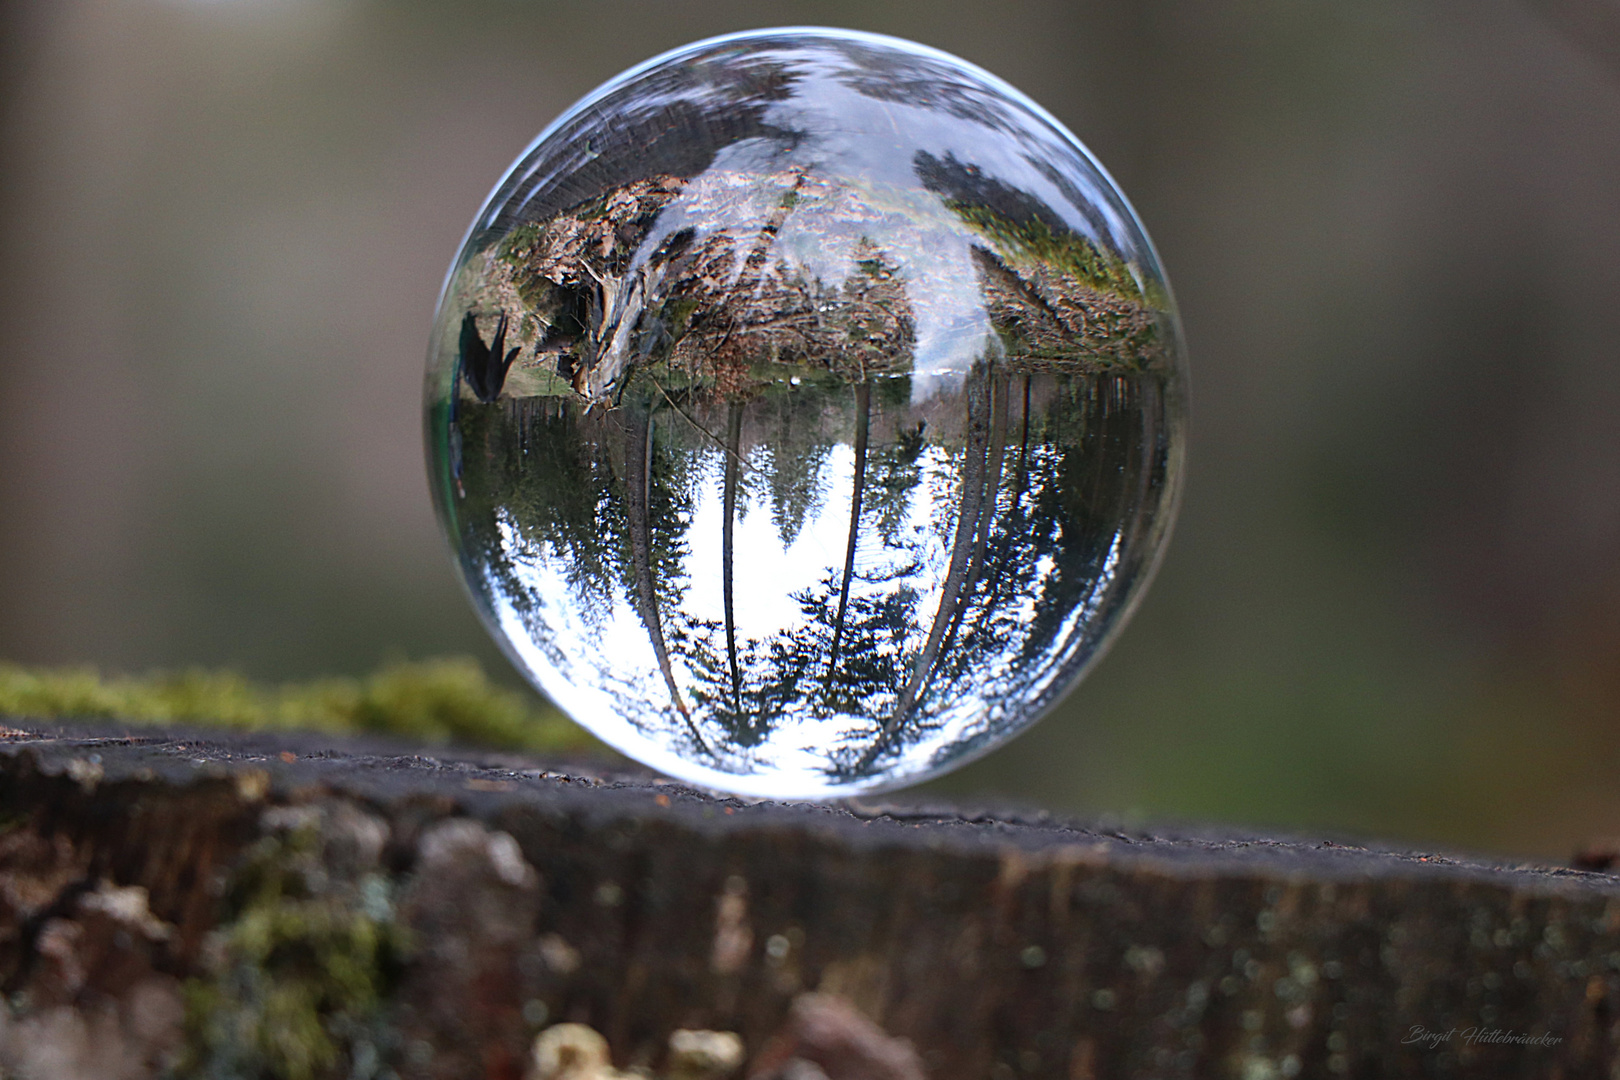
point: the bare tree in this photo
(638, 455)
(863, 423)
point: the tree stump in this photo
(267, 905)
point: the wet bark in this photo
(133, 888)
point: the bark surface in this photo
(203, 905)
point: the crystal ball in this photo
(804, 411)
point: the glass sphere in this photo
(804, 410)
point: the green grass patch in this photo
(441, 700)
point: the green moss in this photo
(1035, 241)
(521, 238)
(442, 700)
(678, 314)
(300, 970)
(540, 294)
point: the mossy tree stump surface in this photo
(257, 906)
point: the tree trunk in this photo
(734, 418)
(863, 422)
(267, 905)
(974, 467)
(999, 385)
(638, 457)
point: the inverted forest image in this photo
(816, 459)
(842, 582)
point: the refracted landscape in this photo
(823, 457)
(731, 484)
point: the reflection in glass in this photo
(804, 410)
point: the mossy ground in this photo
(440, 700)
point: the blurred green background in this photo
(1392, 604)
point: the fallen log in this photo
(277, 905)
